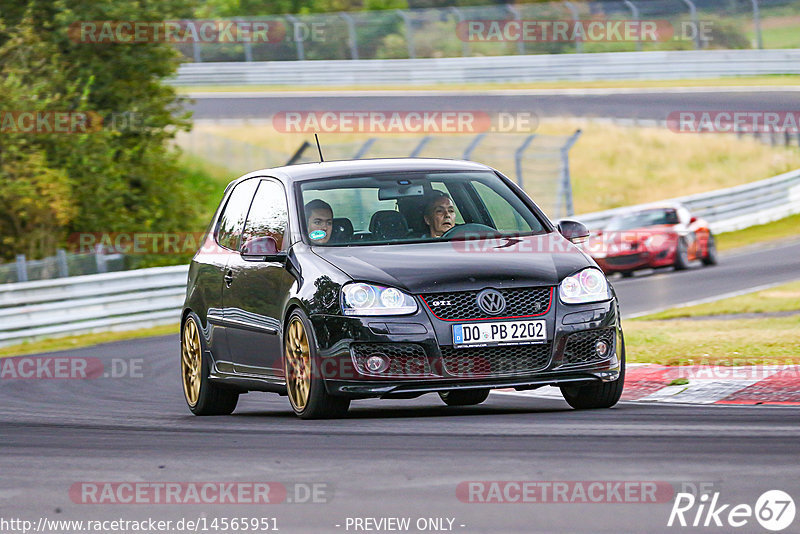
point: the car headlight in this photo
(367, 299)
(589, 285)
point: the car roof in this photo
(652, 206)
(310, 171)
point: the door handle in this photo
(228, 278)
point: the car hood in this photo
(459, 265)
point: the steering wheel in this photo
(480, 230)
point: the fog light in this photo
(377, 363)
(601, 347)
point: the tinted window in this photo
(231, 223)
(269, 215)
(398, 207)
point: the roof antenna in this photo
(321, 160)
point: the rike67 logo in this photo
(774, 510)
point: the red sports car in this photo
(656, 236)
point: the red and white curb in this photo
(702, 384)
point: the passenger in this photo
(439, 214)
(319, 221)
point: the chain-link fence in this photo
(538, 163)
(61, 265)
(507, 29)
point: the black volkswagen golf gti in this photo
(392, 278)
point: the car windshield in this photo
(641, 219)
(390, 208)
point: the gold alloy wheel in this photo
(298, 364)
(191, 362)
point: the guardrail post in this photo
(565, 186)
(22, 268)
(420, 146)
(352, 39)
(412, 54)
(637, 18)
(698, 44)
(198, 58)
(298, 153)
(100, 259)
(520, 42)
(465, 49)
(248, 46)
(518, 158)
(757, 24)
(298, 43)
(576, 20)
(61, 261)
(364, 148)
(472, 146)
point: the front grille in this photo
(495, 361)
(406, 359)
(463, 305)
(580, 346)
(629, 259)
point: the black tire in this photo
(466, 397)
(681, 255)
(320, 404)
(710, 257)
(600, 395)
(626, 274)
(211, 399)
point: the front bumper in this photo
(424, 345)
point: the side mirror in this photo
(262, 249)
(573, 230)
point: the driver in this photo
(319, 221)
(439, 214)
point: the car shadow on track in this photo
(395, 410)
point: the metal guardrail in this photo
(443, 31)
(731, 209)
(92, 303)
(149, 297)
(660, 65)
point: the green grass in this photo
(671, 338)
(86, 340)
(776, 299)
(786, 228)
(731, 81)
(762, 341)
(611, 166)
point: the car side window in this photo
(231, 222)
(269, 214)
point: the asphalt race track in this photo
(408, 458)
(737, 271)
(653, 104)
(394, 458)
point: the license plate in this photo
(499, 333)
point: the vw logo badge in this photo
(491, 301)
